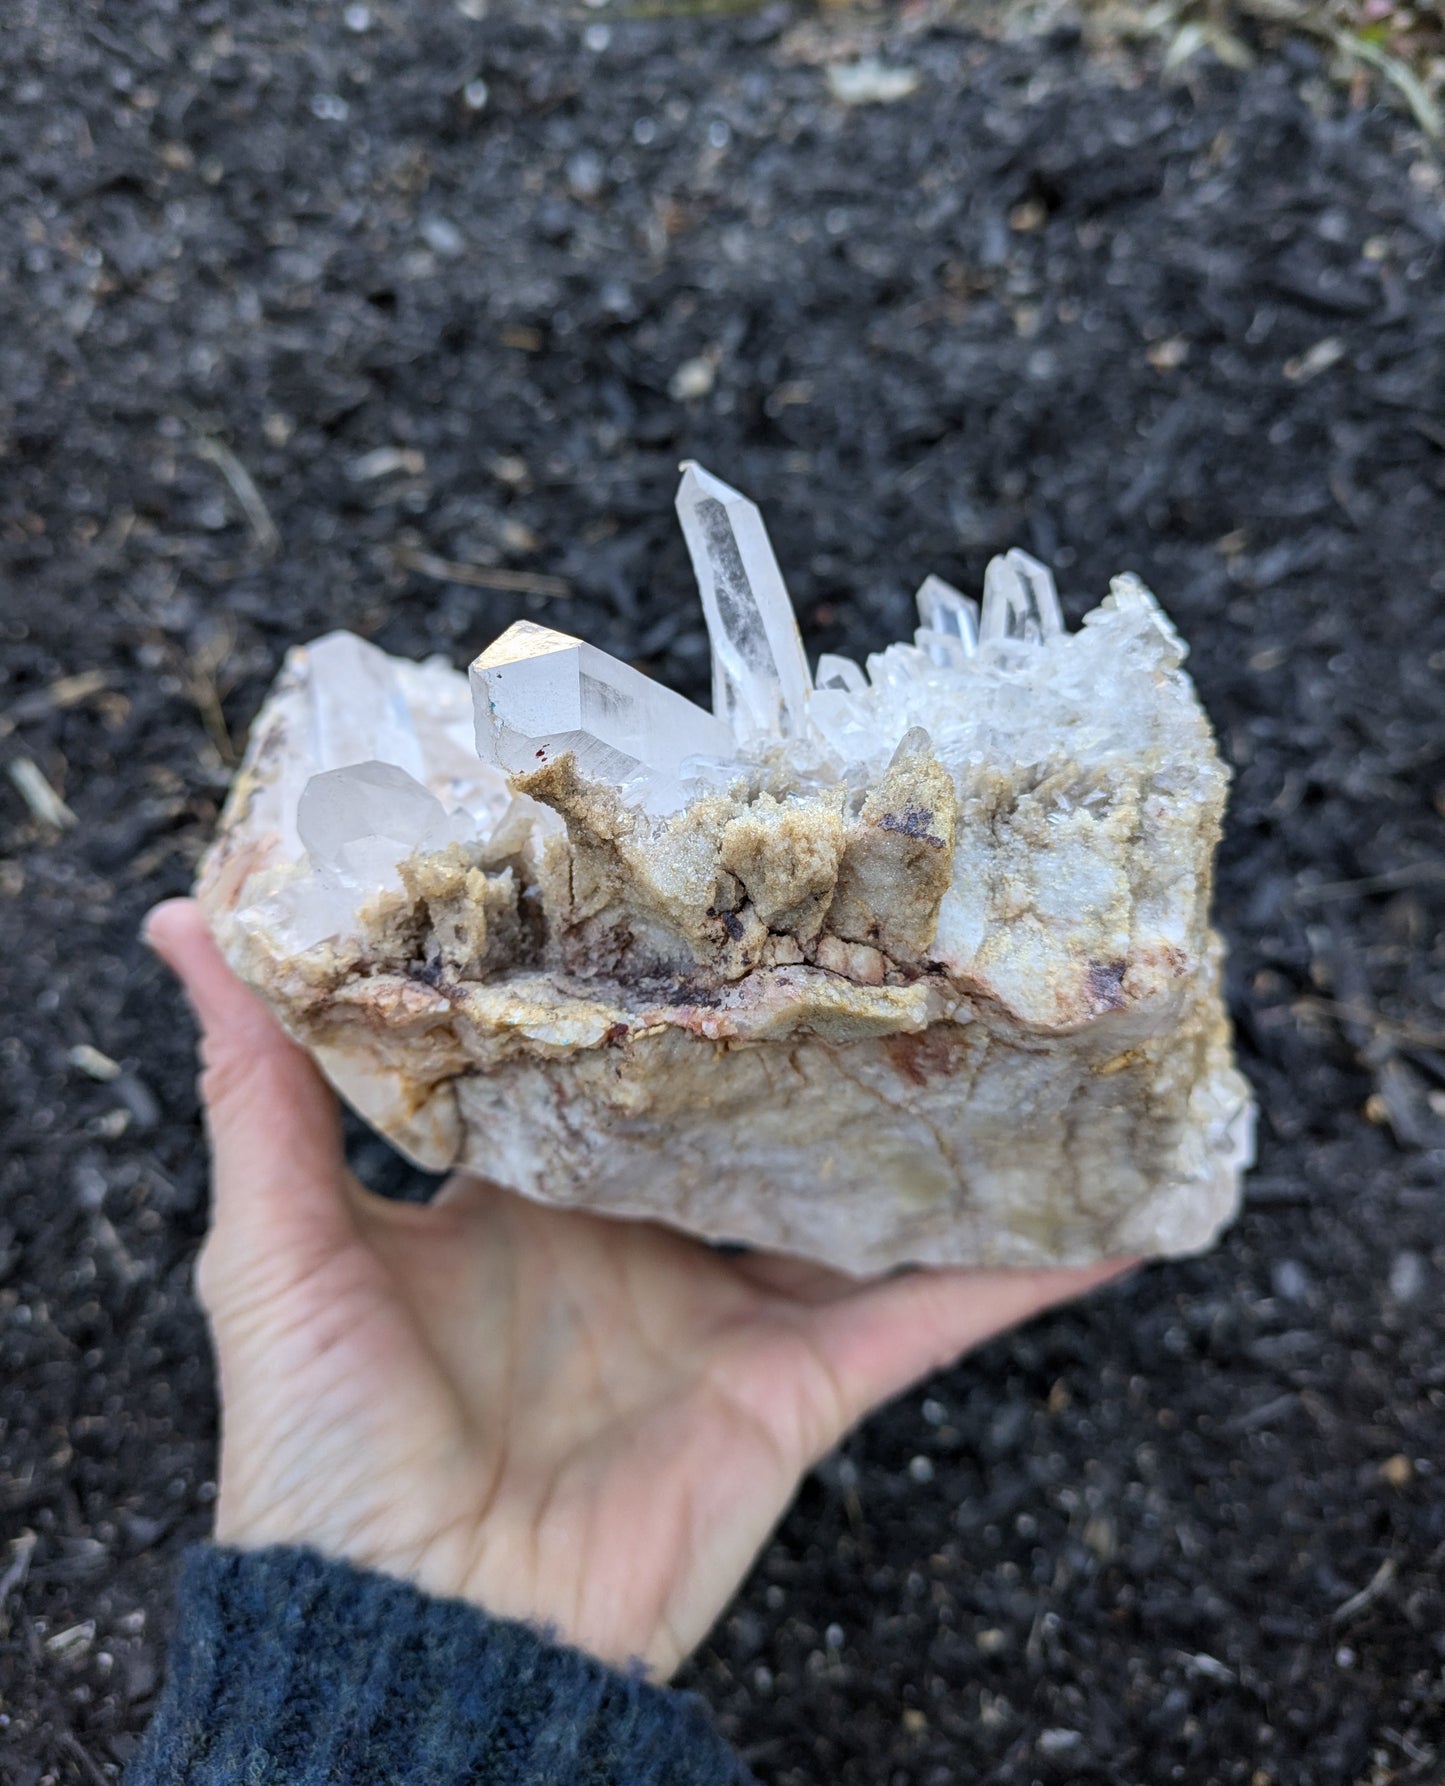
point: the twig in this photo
(45, 804)
(205, 692)
(1413, 874)
(1378, 1584)
(1367, 1019)
(213, 718)
(478, 576)
(69, 691)
(263, 528)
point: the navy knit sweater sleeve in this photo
(288, 1670)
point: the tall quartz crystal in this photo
(760, 681)
(913, 964)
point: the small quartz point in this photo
(948, 613)
(899, 669)
(946, 650)
(359, 713)
(840, 673)
(915, 742)
(537, 693)
(1019, 600)
(1129, 591)
(760, 681)
(1130, 594)
(362, 820)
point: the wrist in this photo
(426, 1688)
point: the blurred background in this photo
(399, 318)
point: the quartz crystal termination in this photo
(539, 694)
(904, 965)
(1019, 600)
(760, 675)
(949, 633)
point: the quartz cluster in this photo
(904, 962)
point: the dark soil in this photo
(1195, 331)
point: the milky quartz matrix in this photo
(906, 962)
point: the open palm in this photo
(586, 1423)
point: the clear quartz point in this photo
(359, 711)
(362, 820)
(1019, 600)
(1131, 595)
(1131, 592)
(898, 669)
(840, 673)
(760, 681)
(946, 650)
(537, 693)
(947, 614)
(915, 742)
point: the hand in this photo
(585, 1423)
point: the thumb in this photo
(887, 1335)
(279, 1175)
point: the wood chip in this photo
(93, 1063)
(45, 804)
(382, 461)
(73, 1642)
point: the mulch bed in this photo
(1192, 1531)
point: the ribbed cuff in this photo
(289, 1670)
